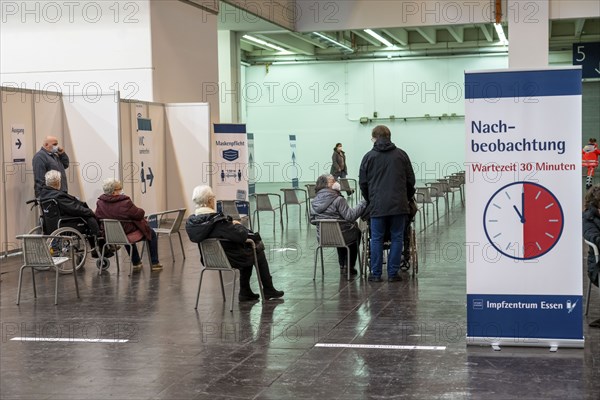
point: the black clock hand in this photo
(523, 205)
(519, 214)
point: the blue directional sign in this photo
(588, 56)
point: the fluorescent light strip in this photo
(264, 43)
(501, 34)
(379, 37)
(380, 346)
(53, 339)
(333, 41)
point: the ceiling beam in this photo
(579, 27)
(428, 33)
(308, 39)
(457, 32)
(487, 32)
(288, 42)
(368, 38)
(400, 35)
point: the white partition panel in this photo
(126, 164)
(92, 140)
(2, 192)
(17, 144)
(188, 153)
(148, 156)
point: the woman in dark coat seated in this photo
(207, 223)
(591, 233)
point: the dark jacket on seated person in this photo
(70, 206)
(217, 226)
(591, 233)
(122, 208)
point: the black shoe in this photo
(243, 298)
(272, 293)
(395, 278)
(342, 269)
(373, 278)
(353, 271)
(94, 253)
(248, 295)
(595, 324)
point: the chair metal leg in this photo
(172, 251)
(20, 281)
(235, 278)
(199, 286)
(76, 284)
(56, 284)
(315, 269)
(222, 286)
(348, 268)
(147, 244)
(587, 301)
(181, 243)
(260, 284)
(322, 265)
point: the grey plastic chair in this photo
(114, 234)
(214, 259)
(594, 248)
(169, 223)
(36, 254)
(424, 200)
(290, 196)
(349, 185)
(263, 203)
(230, 207)
(330, 236)
(311, 193)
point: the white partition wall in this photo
(92, 142)
(18, 148)
(2, 203)
(147, 170)
(188, 153)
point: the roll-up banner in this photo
(294, 167)
(523, 188)
(251, 165)
(230, 154)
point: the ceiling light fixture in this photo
(379, 37)
(343, 46)
(264, 43)
(501, 34)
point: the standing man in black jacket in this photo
(50, 157)
(387, 182)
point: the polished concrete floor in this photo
(274, 350)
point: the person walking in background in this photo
(330, 204)
(50, 157)
(589, 156)
(338, 162)
(339, 168)
(387, 182)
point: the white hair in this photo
(109, 185)
(202, 195)
(53, 179)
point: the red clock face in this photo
(523, 220)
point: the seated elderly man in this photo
(69, 206)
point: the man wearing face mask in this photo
(50, 157)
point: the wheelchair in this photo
(410, 257)
(50, 222)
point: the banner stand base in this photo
(552, 344)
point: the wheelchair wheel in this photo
(62, 248)
(102, 263)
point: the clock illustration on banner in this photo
(523, 220)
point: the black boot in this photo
(268, 289)
(246, 293)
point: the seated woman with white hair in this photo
(113, 204)
(207, 223)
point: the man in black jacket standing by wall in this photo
(50, 157)
(387, 182)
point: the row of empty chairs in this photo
(432, 192)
